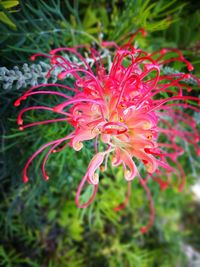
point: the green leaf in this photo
(9, 4)
(89, 19)
(5, 19)
(75, 229)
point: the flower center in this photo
(114, 128)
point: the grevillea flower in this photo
(133, 109)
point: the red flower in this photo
(127, 109)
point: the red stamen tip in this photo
(144, 33)
(17, 102)
(120, 207)
(187, 76)
(163, 186)
(57, 109)
(48, 75)
(163, 51)
(46, 177)
(190, 67)
(143, 230)
(21, 128)
(19, 121)
(25, 179)
(196, 139)
(53, 60)
(61, 75)
(24, 97)
(32, 58)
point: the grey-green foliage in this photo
(27, 75)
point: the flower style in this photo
(127, 109)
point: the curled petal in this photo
(95, 163)
(149, 161)
(82, 135)
(131, 171)
(116, 160)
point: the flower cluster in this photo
(127, 109)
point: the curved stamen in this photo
(73, 51)
(51, 150)
(33, 57)
(20, 120)
(48, 93)
(25, 177)
(78, 193)
(24, 96)
(42, 122)
(172, 99)
(61, 106)
(62, 75)
(168, 106)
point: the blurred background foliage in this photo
(40, 225)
